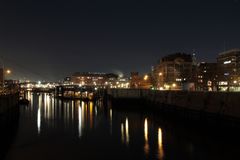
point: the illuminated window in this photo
(223, 83)
(227, 62)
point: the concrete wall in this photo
(8, 102)
(221, 103)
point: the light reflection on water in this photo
(146, 145)
(160, 144)
(89, 131)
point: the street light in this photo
(8, 71)
(174, 85)
(145, 77)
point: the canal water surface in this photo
(54, 129)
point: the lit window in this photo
(223, 83)
(227, 62)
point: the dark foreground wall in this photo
(8, 103)
(222, 104)
(9, 114)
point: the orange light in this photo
(145, 77)
(8, 71)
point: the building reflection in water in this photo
(110, 114)
(80, 121)
(122, 133)
(39, 120)
(83, 115)
(160, 145)
(125, 132)
(146, 145)
(65, 113)
(39, 115)
(91, 114)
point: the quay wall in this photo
(9, 115)
(8, 103)
(218, 103)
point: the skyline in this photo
(54, 39)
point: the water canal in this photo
(50, 128)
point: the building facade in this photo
(228, 64)
(174, 72)
(99, 80)
(94, 79)
(140, 81)
(206, 77)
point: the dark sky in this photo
(52, 39)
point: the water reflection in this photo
(39, 120)
(80, 121)
(160, 145)
(91, 114)
(110, 114)
(122, 133)
(125, 132)
(75, 127)
(64, 113)
(146, 145)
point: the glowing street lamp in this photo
(145, 77)
(8, 71)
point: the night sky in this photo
(52, 39)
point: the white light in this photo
(79, 121)
(39, 120)
(8, 71)
(146, 129)
(127, 131)
(227, 62)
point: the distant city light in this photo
(145, 77)
(227, 62)
(8, 71)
